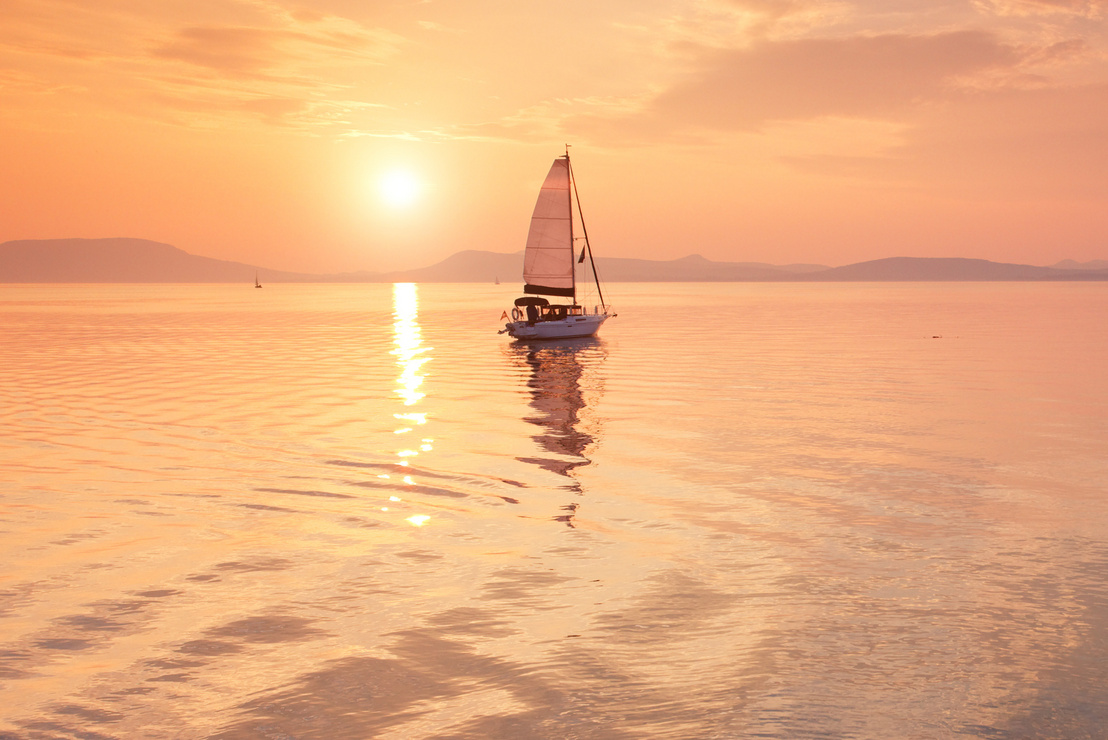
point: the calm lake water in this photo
(355, 511)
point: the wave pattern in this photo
(746, 510)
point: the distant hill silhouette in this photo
(139, 260)
(1090, 265)
(119, 261)
(476, 266)
(943, 268)
(695, 268)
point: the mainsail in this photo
(548, 266)
(548, 261)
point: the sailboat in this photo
(548, 267)
(256, 283)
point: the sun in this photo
(399, 188)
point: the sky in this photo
(344, 135)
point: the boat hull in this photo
(568, 328)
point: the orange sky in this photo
(748, 130)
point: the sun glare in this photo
(399, 189)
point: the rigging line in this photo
(585, 231)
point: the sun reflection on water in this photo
(408, 341)
(410, 355)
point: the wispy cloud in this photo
(807, 78)
(1080, 8)
(295, 45)
(550, 119)
(229, 50)
(292, 68)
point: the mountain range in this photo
(125, 260)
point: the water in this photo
(353, 511)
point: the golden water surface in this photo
(354, 511)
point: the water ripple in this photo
(743, 511)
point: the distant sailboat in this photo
(256, 283)
(548, 266)
(496, 281)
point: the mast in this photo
(585, 233)
(569, 203)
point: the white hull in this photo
(568, 328)
(549, 267)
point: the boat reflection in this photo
(562, 384)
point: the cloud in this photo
(575, 118)
(1080, 8)
(963, 112)
(225, 60)
(725, 24)
(774, 8)
(294, 44)
(772, 13)
(1057, 54)
(808, 78)
(228, 50)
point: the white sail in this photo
(548, 261)
(548, 266)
